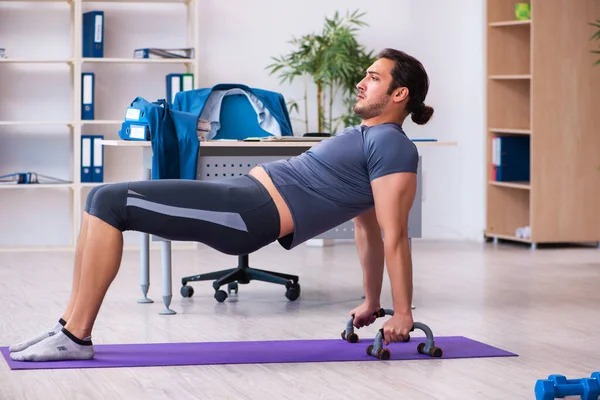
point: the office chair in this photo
(238, 120)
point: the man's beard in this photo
(367, 111)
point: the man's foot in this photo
(60, 347)
(38, 338)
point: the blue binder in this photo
(133, 130)
(93, 34)
(135, 126)
(511, 157)
(88, 83)
(97, 159)
(173, 87)
(86, 158)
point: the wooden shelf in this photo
(35, 61)
(510, 23)
(91, 184)
(8, 186)
(101, 122)
(137, 1)
(105, 60)
(555, 104)
(513, 185)
(17, 123)
(510, 77)
(509, 104)
(505, 131)
(68, 144)
(509, 52)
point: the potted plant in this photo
(335, 62)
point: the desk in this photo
(221, 158)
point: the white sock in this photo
(38, 338)
(60, 347)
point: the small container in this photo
(523, 11)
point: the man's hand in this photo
(364, 315)
(397, 328)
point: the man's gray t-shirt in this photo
(330, 183)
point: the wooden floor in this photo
(541, 304)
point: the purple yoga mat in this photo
(257, 352)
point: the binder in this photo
(511, 158)
(173, 86)
(133, 130)
(86, 158)
(97, 159)
(93, 34)
(88, 81)
(178, 83)
(152, 52)
(135, 126)
(187, 82)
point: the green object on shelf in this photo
(523, 11)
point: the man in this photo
(366, 172)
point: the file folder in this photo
(152, 52)
(132, 130)
(97, 159)
(88, 81)
(511, 158)
(86, 158)
(93, 34)
(178, 83)
(187, 82)
(173, 86)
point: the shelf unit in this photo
(76, 64)
(541, 84)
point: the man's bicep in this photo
(394, 195)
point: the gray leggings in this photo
(235, 216)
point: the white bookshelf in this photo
(66, 200)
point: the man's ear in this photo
(400, 94)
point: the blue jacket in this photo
(174, 139)
(193, 101)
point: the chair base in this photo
(242, 274)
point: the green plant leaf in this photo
(334, 60)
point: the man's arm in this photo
(394, 195)
(367, 235)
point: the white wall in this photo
(447, 36)
(237, 39)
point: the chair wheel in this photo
(289, 284)
(220, 295)
(187, 291)
(293, 291)
(232, 286)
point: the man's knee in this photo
(107, 202)
(91, 195)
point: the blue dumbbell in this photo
(559, 386)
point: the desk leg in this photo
(167, 286)
(145, 242)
